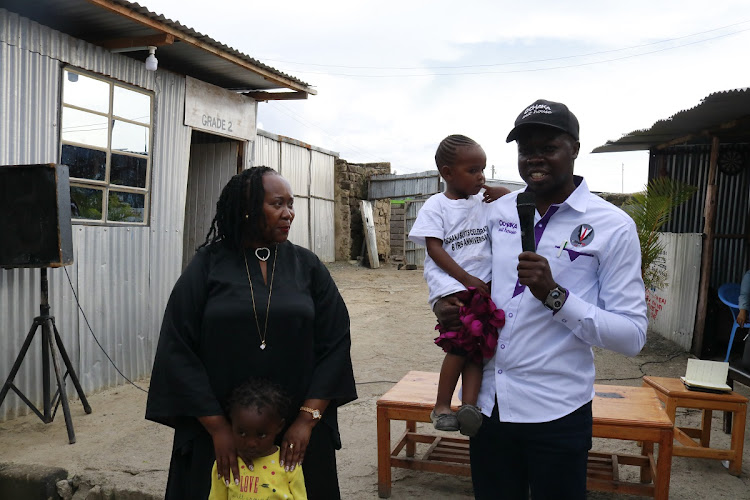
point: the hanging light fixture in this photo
(151, 61)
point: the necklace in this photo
(270, 289)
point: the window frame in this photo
(105, 185)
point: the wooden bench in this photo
(695, 442)
(630, 413)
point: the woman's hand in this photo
(226, 453)
(295, 441)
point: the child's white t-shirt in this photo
(462, 226)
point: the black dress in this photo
(209, 344)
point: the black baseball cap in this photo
(549, 113)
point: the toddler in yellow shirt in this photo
(255, 411)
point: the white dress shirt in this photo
(543, 368)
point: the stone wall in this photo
(350, 188)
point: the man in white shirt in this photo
(581, 288)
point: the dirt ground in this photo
(392, 331)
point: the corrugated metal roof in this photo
(192, 53)
(725, 114)
(404, 186)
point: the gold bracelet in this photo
(312, 411)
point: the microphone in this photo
(526, 205)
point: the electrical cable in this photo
(512, 63)
(523, 70)
(96, 339)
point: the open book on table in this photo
(710, 376)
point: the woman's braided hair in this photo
(229, 221)
(259, 393)
(446, 151)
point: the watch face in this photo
(555, 299)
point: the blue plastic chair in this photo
(729, 293)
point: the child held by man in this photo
(452, 226)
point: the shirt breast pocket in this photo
(577, 268)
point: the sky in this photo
(395, 78)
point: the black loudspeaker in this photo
(35, 229)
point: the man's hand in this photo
(534, 272)
(742, 317)
(446, 310)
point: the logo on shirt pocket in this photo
(582, 236)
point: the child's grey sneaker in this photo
(444, 421)
(469, 419)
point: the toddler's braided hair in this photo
(446, 151)
(259, 393)
(231, 209)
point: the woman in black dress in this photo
(252, 304)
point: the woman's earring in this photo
(247, 216)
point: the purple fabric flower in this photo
(480, 320)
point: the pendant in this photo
(262, 345)
(263, 250)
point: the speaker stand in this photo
(57, 350)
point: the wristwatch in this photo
(312, 411)
(556, 298)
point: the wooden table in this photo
(630, 413)
(695, 442)
(412, 399)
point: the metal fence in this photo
(310, 171)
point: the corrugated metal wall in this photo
(267, 151)
(122, 275)
(690, 164)
(672, 309)
(310, 171)
(322, 173)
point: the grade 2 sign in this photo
(216, 123)
(219, 111)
